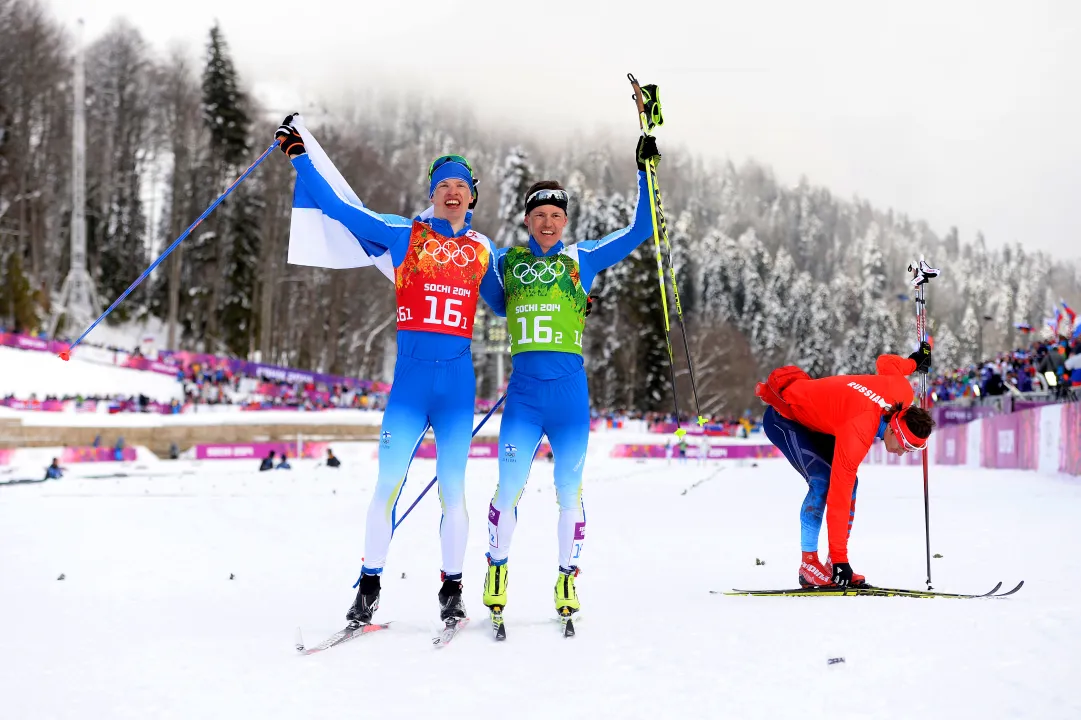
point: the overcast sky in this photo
(960, 113)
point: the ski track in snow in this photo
(148, 624)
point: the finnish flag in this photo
(314, 238)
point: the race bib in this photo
(438, 283)
(545, 302)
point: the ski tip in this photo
(299, 641)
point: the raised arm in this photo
(897, 365)
(894, 365)
(376, 233)
(597, 255)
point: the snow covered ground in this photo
(147, 622)
(23, 372)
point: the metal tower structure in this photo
(77, 299)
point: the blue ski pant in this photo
(534, 408)
(811, 454)
(440, 394)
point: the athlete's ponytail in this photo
(918, 420)
(893, 410)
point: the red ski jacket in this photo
(849, 407)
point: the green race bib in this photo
(546, 304)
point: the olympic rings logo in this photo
(528, 273)
(449, 251)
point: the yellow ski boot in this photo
(566, 599)
(495, 595)
(495, 584)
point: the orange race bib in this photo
(438, 282)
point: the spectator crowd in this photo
(1052, 367)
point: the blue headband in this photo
(447, 171)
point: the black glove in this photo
(842, 574)
(924, 273)
(647, 150)
(922, 357)
(589, 304)
(289, 139)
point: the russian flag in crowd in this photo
(1070, 314)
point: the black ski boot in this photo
(451, 606)
(367, 601)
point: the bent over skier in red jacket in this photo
(825, 428)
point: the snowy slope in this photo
(147, 622)
(23, 372)
(149, 333)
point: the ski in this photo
(566, 623)
(453, 626)
(1011, 592)
(344, 635)
(498, 628)
(867, 591)
(934, 593)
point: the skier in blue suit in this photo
(440, 266)
(546, 285)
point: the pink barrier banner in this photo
(34, 405)
(153, 407)
(1010, 441)
(270, 372)
(49, 405)
(949, 415)
(96, 454)
(476, 450)
(26, 342)
(715, 452)
(951, 445)
(6, 454)
(1070, 452)
(141, 363)
(668, 428)
(710, 429)
(247, 451)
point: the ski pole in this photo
(923, 404)
(675, 297)
(66, 354)
(650, 116)
(921, 274)
(425, 490)
(645, 124)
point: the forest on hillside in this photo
(768, 273)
